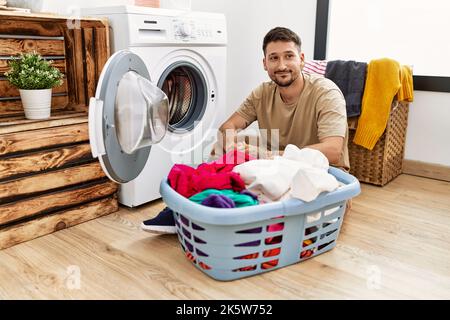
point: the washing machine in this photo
(181, 53)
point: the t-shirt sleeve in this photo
(248, 108)
(331, 115)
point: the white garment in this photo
(301, 174)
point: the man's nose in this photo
(281, 64)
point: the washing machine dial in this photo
(185, 29)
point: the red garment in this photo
(272, 253)
(231, 159)
(188, 181)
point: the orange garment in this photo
(306, 253)
(406, 92)
(385, 79)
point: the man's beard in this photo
(284, 84)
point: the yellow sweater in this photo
(406, 92)
(383, 82)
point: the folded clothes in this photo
(299, 173)
(225, 198)
(188, 181)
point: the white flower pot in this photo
(36, 103)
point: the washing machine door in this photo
(127, 116)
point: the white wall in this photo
(428, 135)
(376, 29)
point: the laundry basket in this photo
(229, 244)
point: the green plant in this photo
(30, 71)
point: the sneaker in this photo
(163, 223)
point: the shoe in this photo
(163, 223)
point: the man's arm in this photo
(331, 147)
(228, 131)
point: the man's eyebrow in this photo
(287, 51)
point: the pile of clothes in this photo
(238, 180)
(214, 184)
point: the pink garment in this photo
(315, 67)
(188, 181)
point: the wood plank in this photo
(91, 86)
(38, 139)
(14, 106)
(29, 27)
(79, 61)
(54, 121)
(102, 50)
(20, 113)
(44, 160)
(60, 20)
(50, 181)
(58, 118)
(71, 66)
(4, 121)
(427, 170)
(7, 90)
(57, 63)
(12, 47)
(15, 234)
(76, 107)
(55, 201)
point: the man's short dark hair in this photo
(281, 34)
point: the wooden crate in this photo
(385, 161)
(48, 178)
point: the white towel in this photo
(299, 173)
(310, 182)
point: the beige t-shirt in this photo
(319, 113)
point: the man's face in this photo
(283, 62)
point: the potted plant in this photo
(35, 78)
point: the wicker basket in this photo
(385, 161)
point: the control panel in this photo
(187, 30)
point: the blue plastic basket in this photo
(229, 244)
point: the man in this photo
(307, 110)
(293, 108)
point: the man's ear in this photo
(302, 60)
(264, 64)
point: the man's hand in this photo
(228, 131)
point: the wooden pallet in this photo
(48, 178)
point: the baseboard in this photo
(427, 170)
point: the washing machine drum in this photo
(128, 115)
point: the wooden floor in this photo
(395, 243)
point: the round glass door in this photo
(128, 115)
